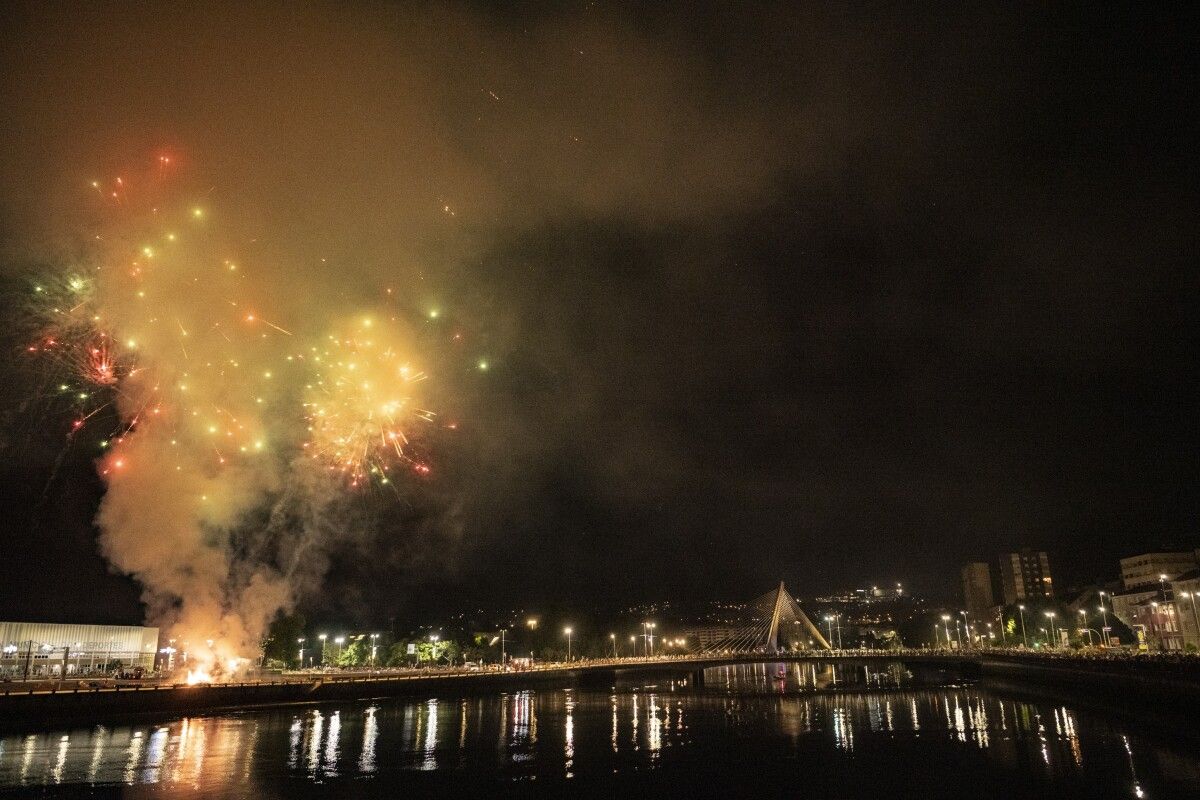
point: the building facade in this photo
(977, 588)
(1025, 576)
(704, 636)
(1125, 605)
(1148, 569)
(1185, 593)
(37, 649)
(1157, 625)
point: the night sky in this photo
(766, 292)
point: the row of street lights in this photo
(1052, 635)
(532, 623)
(647, 637)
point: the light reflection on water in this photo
(581, 734)
(810, 676)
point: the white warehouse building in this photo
(41, 649)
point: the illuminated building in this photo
(1024, 576)
(51, 649)
(1147, 569)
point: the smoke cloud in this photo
(320, 171)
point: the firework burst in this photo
(168, 325)
(228, 390)
(361, 407)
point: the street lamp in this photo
(946, 625)
(937, 636)
(374, 647)
(648, 636)
(1083, 621)
(323, 637)
(1104, 614)
(613, 637)
(829, 619)
(339, 641)
(1024, 635)
(9, 650)
(1156, 625)
(966, 625)
(300, 642)
(567, 631)
(1053, 630)
(532, 623)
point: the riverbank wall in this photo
(1159, 693)
(72, 706)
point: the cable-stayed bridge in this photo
(772, 622)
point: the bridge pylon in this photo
(773, 617)
(784, 613)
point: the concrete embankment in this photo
(25, 709)
(1148, 691)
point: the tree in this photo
(475, 652)
(441, 651)
(355, 654)
(553, 654)
(281, 644)
(398, 656)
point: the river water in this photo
(764, 730)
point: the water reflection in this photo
(843, 729)
(569, 736)
(56, 775)
(313, 737)
(135, 750)
(615, 724)
(429, 748)
(366, 759)
(813, 676)
(654, 728)
(154, 755)
(577, 735)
